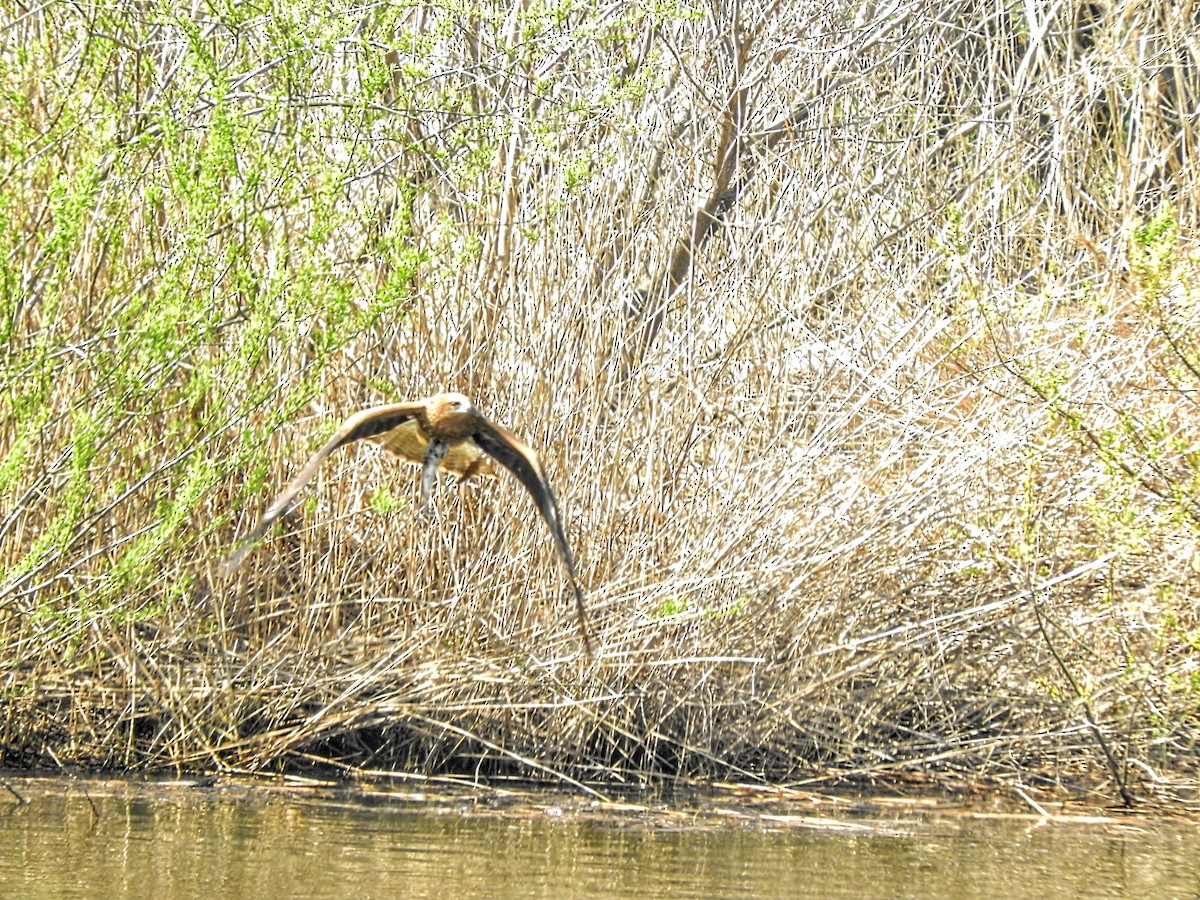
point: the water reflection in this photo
(197, 843)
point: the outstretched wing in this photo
(516, 456)
(366, 423)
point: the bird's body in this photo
(444, 432)
(419, 426)
(410, 442)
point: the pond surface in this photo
(95, 839)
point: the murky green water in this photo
(94, 840)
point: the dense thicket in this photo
(860, 342)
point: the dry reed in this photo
(890, 464)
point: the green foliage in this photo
(386, 503)
(734, 609)
(171, 275)
(1152, 252)
(671, 606)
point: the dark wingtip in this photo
(249, 542)
(234, 559)
(581, 612)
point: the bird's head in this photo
(454, 402)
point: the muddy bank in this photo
(899, 807)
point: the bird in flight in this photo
(444, 432)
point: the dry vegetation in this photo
(860, 342)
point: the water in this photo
(105, 839)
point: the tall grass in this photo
(859, 345)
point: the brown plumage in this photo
(442, 432)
